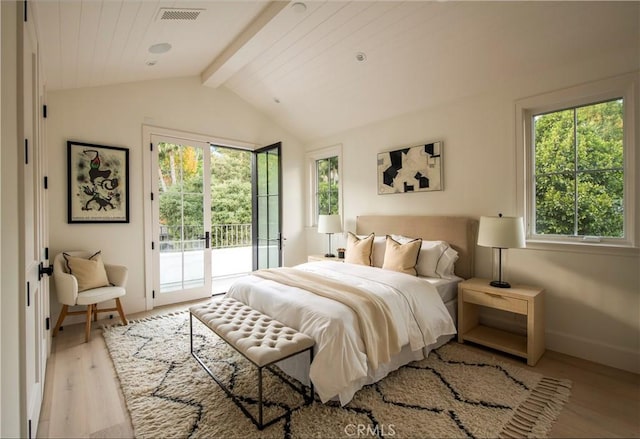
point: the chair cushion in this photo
(97, 295)
(89, 273)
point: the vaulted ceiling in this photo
(321, 67)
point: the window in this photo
(576, 149)
(579, 171)
(325, 185)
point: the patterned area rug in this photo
(456, 392)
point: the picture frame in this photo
(97, 183)
(412, 169)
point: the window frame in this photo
(312, 180)
(619, 87)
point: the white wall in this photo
(114, 115)
(592, 300)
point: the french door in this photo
(182, 220)
(267, 207)
(181, 212)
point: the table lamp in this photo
(501, 232)
(329, 224)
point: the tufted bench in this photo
(260, 339)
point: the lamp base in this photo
(329, 255)
(500, 284)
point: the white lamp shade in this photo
(329, 224)
(501, 232)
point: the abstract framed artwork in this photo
(98, 183)
(412, 169)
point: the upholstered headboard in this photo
(460, 232)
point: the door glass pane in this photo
(274, 220)
(274, 254)
(262, 174)
(272, 172)
(263, 217)
(263, 252)
(181, 216)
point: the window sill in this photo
(584, 247)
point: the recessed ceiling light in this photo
(160, 48)
(361, 56)
(299, 7)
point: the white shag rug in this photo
(456, 392)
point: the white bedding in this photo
(447, 288)
(340, 366)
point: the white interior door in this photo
(181, 220)
(36, 299)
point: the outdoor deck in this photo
(227, 264)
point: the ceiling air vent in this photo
(179, 14)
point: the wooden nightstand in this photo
(518, 299)
(312, 258)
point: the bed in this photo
(423, 309)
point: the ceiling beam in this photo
(262, 32)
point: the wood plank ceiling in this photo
(298, 63)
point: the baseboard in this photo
(598, 352)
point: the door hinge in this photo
(151, 196)
(44, 111)
(153, 294)
(25, 17)
(29, 419)
(46, 323)
(26, 151)
(28, 294)
(153, 245)
(151, 146)
(46, 253)
(46, 182)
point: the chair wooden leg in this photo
(63, 314)
(121, 312)
(95, 312)
(88, 324)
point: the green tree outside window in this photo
(579, 171)
(327, 186)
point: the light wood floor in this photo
(82, 395)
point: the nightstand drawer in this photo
(496, 301)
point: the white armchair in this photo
(68, 294)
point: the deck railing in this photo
(230, 235)
(222, 236)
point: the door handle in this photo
(42, 270)
(207, 239)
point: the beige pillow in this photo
(402, 257)
(89, 273)
(359, 249)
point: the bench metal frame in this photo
(257, 422)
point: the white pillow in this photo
(446, 264)
(379, 246)
(431, 260)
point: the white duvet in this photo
(340, 362)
